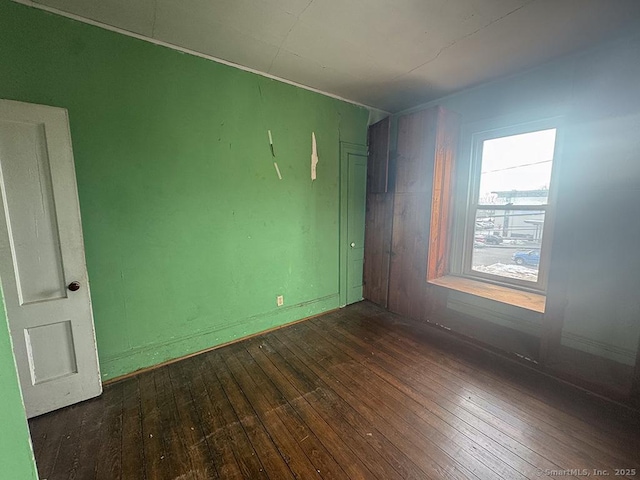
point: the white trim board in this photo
(188, 51)
(599, 348)
(504, 315)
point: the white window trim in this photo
(465, 199)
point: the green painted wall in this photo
(189, 234)
(16, 457)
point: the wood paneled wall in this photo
(377, 239)
(404, 205)
(447, 133)
(377, 247)
(399, 211)
(411, 207)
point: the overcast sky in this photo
(517, 162)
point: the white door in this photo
(42, 265)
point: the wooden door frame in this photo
(346, 149)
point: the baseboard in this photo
(602, 349)
(117, 366)
(607, 395)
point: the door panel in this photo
(378, 166)
(41, 252)
(379, 214)
(408, 287)
(356, 208)
(42, 366)
(30, 212)
(377, 247)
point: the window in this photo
(503, 229)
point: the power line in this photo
(516, 166)
(529, 213)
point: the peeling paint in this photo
(160, 234)
(273, 154)
(275, 164)
(314, 156)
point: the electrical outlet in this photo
(280, 300)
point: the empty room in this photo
(313, 239)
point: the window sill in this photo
(511, 296)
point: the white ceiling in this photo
(389, 54)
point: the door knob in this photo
(74, 286)
(353, 244)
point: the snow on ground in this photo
(512, 271)
(515, 241)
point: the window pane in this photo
(507, 243)
(517, 169)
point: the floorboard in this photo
(359, 393)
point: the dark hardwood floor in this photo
(358, 393)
